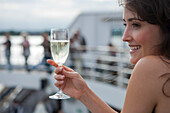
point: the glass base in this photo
(59, 96)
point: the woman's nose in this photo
(126, 36)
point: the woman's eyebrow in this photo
(131, 19)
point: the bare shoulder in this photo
(147, 71)
(154, 73)
(148, 87)
(152, 65)
(145, 87)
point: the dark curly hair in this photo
(155, 12)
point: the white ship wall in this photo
(97, 27)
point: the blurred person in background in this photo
(26, 49)
(77, 48)
(47, 50)
(47, 53)
(147, 32)
(8, 50)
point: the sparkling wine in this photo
(60, 50)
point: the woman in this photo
(147, 33)
(8, 46)
(26, 49)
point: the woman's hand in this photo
(69, 81)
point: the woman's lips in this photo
(134, 48)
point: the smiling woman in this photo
(157, 14)
(139, 35)
(147, 32)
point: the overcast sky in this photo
(37, 15)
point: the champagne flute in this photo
(59, 43)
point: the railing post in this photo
(120, 68)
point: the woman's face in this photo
(141, 36)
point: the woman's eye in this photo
(136, 25)
(124, 24)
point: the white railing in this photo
(99, 64)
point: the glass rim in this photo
(59, 30)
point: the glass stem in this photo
(60, 91)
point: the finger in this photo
(58, 70)
(59, 77)
(68, 69)
(51, 62)
(70, 74)
(59, 83)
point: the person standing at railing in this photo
(26, 50)
(8, 50)
(147, 32)
(47, 53)
(77, 48)
(47, 50)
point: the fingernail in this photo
(61, 69)
(62, 77)
(60, 82)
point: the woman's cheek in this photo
(142, 38)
